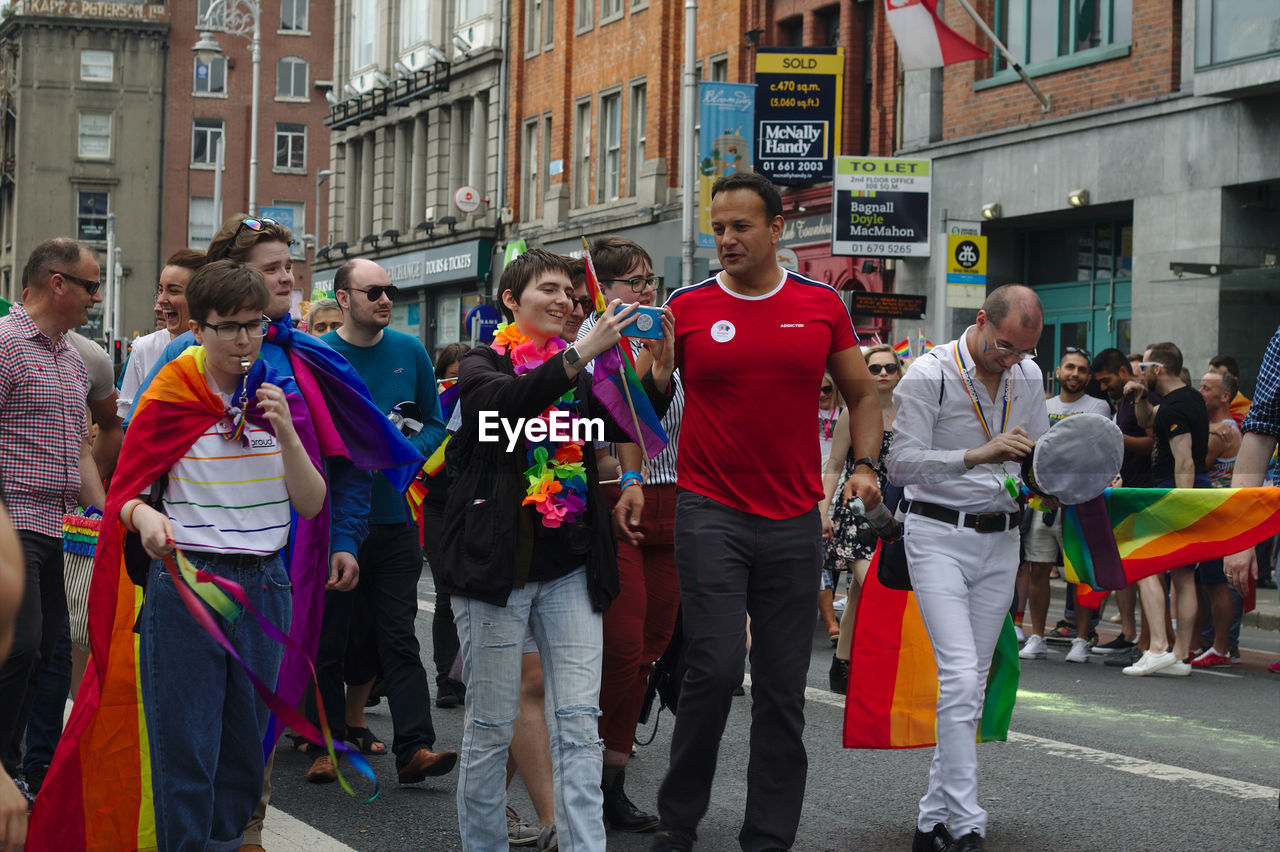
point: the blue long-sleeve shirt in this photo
(349, 487)
(396, 369)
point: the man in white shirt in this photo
(1044, 536)
(965, 411)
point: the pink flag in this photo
(924, 41)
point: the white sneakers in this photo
(1166, 664)
(1035, 649)
(1079, 652)
(1017, 631)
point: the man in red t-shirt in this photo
(752, 344)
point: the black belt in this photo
(983, 522)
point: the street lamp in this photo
(239, 18)
(321, 177)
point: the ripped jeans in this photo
(569, 637)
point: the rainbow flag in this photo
(892, 697)
(903, 348)
(615, 383)
(1158, 529)
(923, 345)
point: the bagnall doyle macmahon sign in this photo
(119, 9)
(881, 207)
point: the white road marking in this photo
(426, 606)
(1109, 760)
(283, 833)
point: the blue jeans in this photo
(44, 726)
(204, 721)
(570, 638)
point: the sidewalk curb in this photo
(1265, 617)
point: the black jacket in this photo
(488, 536)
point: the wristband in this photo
(631, 477)
(129, 521)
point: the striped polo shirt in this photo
(224, 497)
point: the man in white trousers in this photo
(968, 412)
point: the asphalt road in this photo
(1095, 761)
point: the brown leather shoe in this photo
(322, 771)
(425, 763)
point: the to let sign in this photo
(895, 305)
(799, 92)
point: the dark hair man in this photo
(748, 535)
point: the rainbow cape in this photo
(892, 696)
(97, 792)
(615, 383)
(1131, 533)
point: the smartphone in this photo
(648, 323)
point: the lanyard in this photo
(973, 394)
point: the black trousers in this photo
(35, 636)
(390, 566)
(444, 634)
(731, 564)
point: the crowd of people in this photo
(563, 569)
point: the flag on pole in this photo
(903, 348)
(923, 344)
(924, 41)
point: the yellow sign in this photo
(967, 259)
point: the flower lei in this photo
(557, 478)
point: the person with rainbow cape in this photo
(528, 545)
(100, 771)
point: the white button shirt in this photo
(930, 440)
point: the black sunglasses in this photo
(1073, 350)
(91, 287)
(375, 293)
(877, 369)
(825, 388)
(584, 303)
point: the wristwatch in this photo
(571, 356)
(869, 462)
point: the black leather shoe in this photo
(620, 812)
(672, 840)
(971, 842)
(839, 675)
(938, 840)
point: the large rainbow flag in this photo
(892, 696)
(1151, 530)
(97, 792)
(615, 383)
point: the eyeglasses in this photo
(877, 369)
(231, 330)
(375, 293)
(638, 283)
(1004, 350)
(1073, 350)
(1142, 365)
(584, 303)
(91, 287)
(826, 388)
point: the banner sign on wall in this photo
(881, 207)
(724, 142)
(799, 93)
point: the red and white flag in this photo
(924, 41)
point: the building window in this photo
(413, 23)
(829, 26)
(548, 23)
(91, 216)
(291, 146)
(97, 66)
(95, 135)
(468, 10)
(206, 138)
(611, 146)
(610, 10)
(1038, 31)
(1239, 29)
(720, 68)
(585, 9)
(291, 78)
(533, 25)
(293, 215)
(635, 156)
(293, 15)
(202, 222)
(211, 79)
(791, 32)
(582, 155)
(364, 33)
(216, 22)
(531, 184)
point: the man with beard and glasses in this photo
(1043, 539)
